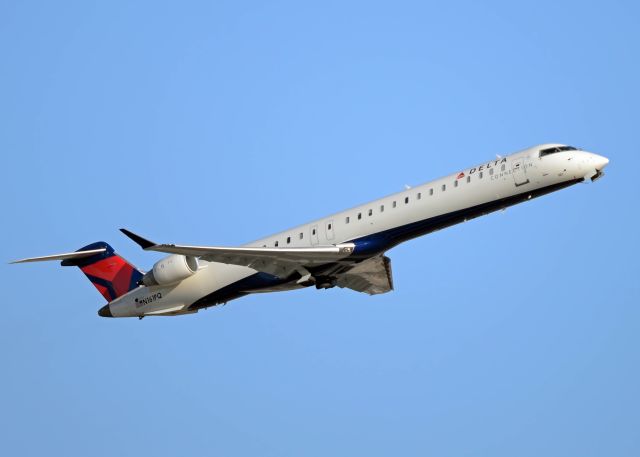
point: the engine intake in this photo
(171, 269)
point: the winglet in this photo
(143, 242)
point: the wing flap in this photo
(372, 276)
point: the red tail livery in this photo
(112, 275)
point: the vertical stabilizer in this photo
(111, 274)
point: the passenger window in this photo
(444, 187)
(329, 226)
(480, 175)
(359, 216)
(491, 171)
(468, 178)
(313, 231)
(275, 244)
(419, 195)
(288, 239)
(394, 203)
(431, 191)
(406, 200)
(455, 183)
(502, 167)
(301, 235)
(347, 219)
(382, 208)
(370, 212)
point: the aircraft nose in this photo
(599, 161)
(105, 311)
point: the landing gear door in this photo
(519, 172)
(314, 235)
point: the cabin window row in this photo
(288, 240)
(394, 204)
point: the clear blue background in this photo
(221, 122)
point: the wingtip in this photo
(142, 242)
(13, 262)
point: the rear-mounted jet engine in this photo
(171, 269)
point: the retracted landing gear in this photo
(325, 282)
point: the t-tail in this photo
(111, 274)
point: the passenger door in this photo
(519, 172)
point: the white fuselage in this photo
(378, 225)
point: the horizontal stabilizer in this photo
(109, 273)
(67, 256)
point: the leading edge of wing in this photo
(248, 255)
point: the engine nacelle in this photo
(171, 269)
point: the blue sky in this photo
(220, 122)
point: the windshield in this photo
(553, 150)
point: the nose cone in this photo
(105, 311)
(599, 161)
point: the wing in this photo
(280, 262)
(371, 276)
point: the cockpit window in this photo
(553, 150)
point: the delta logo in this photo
(483, 167)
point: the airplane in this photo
(345, 249)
